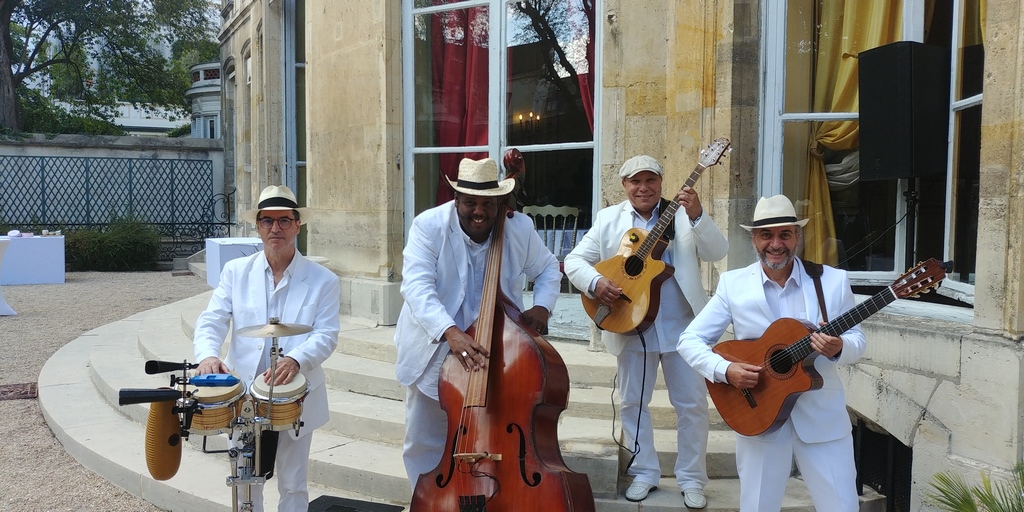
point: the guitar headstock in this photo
(713, 153)
(923, 278)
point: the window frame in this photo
(773, 118)
(497, 136)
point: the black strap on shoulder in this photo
(670, 230)
(814, 270)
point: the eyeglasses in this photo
(268, 222)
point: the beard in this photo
(763, 257)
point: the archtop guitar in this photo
(637, 268)
(787, 359)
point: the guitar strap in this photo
(814, 270)
(670, 230)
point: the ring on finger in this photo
(464, 353)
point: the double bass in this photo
(501, 451)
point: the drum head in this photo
(215, 394)
(296, 387)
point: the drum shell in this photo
(215, 416)
(286, 409)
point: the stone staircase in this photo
(357, 455)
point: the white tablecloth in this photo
(33, 260)
(5, 310)
(222, 250)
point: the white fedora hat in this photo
(479, 178)
(773, 212)
(277, 197)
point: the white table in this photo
(222, 250)
(5, 310)
(33, 260)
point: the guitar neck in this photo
(666, 217)
(845, 322)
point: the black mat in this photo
(332, 504)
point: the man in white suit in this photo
(277, 282)
(442, 278)
(638, 355)
(818, 431)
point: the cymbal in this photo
(273, 330)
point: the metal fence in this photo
(173, 195)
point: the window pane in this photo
(300, 114)
(300, 30)
(862, 213)
(560, 178)
(431, 190)
(428, 3)
(966, 194)
(451, 82)
(823, 40)
(550, 84)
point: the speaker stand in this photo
(910, 195)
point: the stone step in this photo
(357, 455)
(366, 403)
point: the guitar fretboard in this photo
(802, 348)
(666, 217)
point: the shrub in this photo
(184, 130)
(126, 244)
(952, 493)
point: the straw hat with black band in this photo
(773, 212)
(479, 178)
(277, 197)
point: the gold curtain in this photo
(846, 27)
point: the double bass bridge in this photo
(474, 457)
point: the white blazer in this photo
(691, 243)
(435, 269)
(818, 415)
(314, 299)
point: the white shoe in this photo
(637, 491)
(694, 498)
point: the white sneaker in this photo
(694, 498)
(637, 491)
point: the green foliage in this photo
(181, 131)
(952, 493)
(99, 52)
(40, 115)
(126, 244)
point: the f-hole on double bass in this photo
(501, 452)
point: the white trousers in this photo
(765, 462)
(688, 395)
(426, 426)
(290, 469)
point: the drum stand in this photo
(250, 426)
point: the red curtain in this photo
(459, 60)
(586, 81)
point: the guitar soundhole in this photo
(779, 362)
(634, 266)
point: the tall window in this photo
(295, 102)
(811, 149)
(482, 76)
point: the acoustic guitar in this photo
(787, 359)
(637, 268)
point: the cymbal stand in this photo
(250, 426)
(244, 472)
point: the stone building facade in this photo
(340, 101)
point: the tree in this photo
(98, 51)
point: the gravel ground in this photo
(35, 471)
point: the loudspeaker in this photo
(904, 110)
